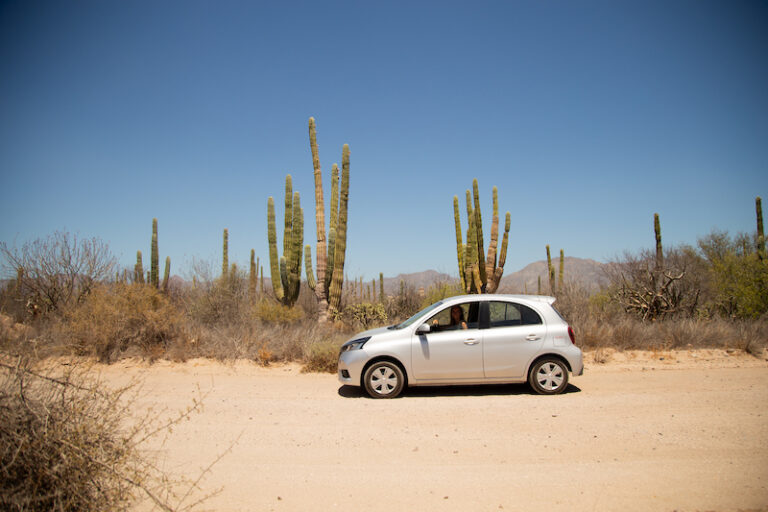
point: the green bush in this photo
(272, 312)
(365, 315)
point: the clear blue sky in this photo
(589, 117)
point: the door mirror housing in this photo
(423, 329)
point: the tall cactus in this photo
(550, 272)
(253, 277)
(154, 265)
(382, 297)
(478, 273)
(225, 256)
(562, 270)
(286, 270)
(760, 232)
(659, 250)
(167, 273)
(138, 272)
(327, 282)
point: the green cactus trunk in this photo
(760, 232)
(538, 288)
(253, 277)
(154, 258)
(225, 256)
(659, 249)
(286, 270)
(382, 297)
(551, 272)
(562, 270)
(167, 273)
(138, 269)
(334, 293)
(459, 242)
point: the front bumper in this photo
(351, 364)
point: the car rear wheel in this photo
(384, 380)
(549, 376)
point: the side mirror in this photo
(423, 329)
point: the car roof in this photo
(547, 299)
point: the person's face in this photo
(455, 313)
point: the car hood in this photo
(370, 332)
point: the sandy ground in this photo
(644, 431)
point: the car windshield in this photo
(403, 325)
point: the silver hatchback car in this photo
(470, 339)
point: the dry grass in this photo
(66, 444)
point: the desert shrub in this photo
(119, 318)
(440, 291)
(364, 315)
(64, 445)
(56, 272)
(404, 304)
(322, 356)
(272, 312)
(220, 301)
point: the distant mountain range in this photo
(584, 272)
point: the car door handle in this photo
(533, 337)
(471, 341)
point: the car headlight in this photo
(354, 344)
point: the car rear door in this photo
(514, 336)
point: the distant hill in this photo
(415, 280)
(585, 272)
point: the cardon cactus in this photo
(225, 256)
(328, 280)
(760, 232)
(478, 273)
(167, 273)
(154, 262)
(286, 270)
(138, 273)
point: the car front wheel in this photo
(549, 376)
(384, 380)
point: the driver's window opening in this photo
(456, 317)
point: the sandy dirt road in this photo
(639, 435)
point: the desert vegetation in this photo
(66, 296)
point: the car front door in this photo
(515, 334)
(451, 351)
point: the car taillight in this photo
(571, 335)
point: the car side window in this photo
(508, 314)
(465, 318)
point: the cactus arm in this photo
(320, 289)
(167, 274)
(308, 267)
(659, 249)
(298, 244)
(495, 281)
(479, 229)
(288, 214)
(490, 262)
(274, 261)
(550, 272)
(154, 258)
(341, 234)
(760, 232)
(225, 255)
(459, 241)
(139, 270)
(562, 270)
(334, 223)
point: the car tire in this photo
(549, 376)
(383, 379)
